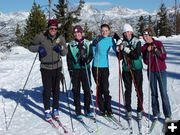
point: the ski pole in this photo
(97, 85)
(88, 78)
(97, 78)
(22, 92)
(67, 95)
(120, 84)
(158, 68)
(89, 84)
(149, 75)
(119, 93)
(120, 81)
(135, 85)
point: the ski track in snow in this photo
(28, 118)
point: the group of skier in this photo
(81, 52)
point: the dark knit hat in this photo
(77, 29)
(53, 22)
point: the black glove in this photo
(71, 73)
(156, 51)
(116, 36)
(96, 40)
(82, 54)
(86, 61)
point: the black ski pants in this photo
(79, 76)
(51, 81)
(127, 78)
(101, 76)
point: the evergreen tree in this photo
(163, 24)
(18, 34)
(35, 24)
(141, 25)
(67, 17)
(178, 23)
(18, 31)
(150, 23)
(88, 34)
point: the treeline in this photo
(37, 22)
(164, 24)
(68, 17)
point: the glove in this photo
(122, 46)
(57, 48)
(83, 52)
(156, 51)
(126, 50)
(71, 73)
(119, 42)
(116, 36)
(42, 51)
(85, 61)
(96, 40)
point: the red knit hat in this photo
(53, 22)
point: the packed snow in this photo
(29, 119)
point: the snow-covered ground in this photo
(28, 118)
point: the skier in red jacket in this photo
(154, 56)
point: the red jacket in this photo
(160, 53)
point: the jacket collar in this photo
(51, 38)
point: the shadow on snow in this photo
(29, 99)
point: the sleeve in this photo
(90, 57)
(64, 50)
(69, 59)
(136, 52)
(161, 52)
(35, 44)
(93, 49)
(145, 54)
(114, 45)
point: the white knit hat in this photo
(127, 27)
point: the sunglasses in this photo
(52, 28)
(147, 33)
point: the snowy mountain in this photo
(114, 16)
(29, 118)
(88, 14)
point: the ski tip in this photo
(48, 120)
(124, 128)
(149, 132)
(73, 132)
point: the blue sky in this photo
(8, 6)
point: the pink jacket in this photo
(160, 53)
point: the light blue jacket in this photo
(101, 50)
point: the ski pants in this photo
(127, 78)
(101, 76)
(51, 81)
(79, 76)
